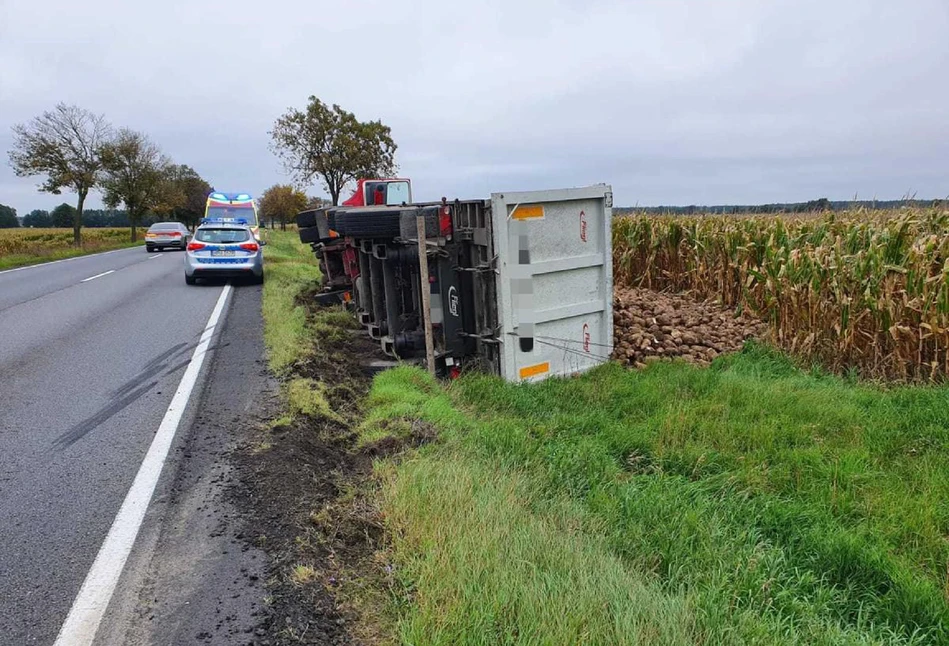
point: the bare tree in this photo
(65, 145)
(135, 174)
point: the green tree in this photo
(184, 195)
(63, 215)
(8, 219)
(135, 171)
(65, 145)
(281, 203)
(333, 145)
(38, 218)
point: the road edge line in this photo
(90, 604)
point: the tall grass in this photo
(748, 503)
(19, 247)
(862, 290)
(289, 269)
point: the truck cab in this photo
(381, 192)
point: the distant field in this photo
(20, 247)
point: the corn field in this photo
(864, 290)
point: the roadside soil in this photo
(301, 488)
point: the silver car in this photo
(224, 248)
(163, 235)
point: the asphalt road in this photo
(89, 362)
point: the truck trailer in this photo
(520, 284)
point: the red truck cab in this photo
(381, 192)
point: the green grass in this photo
(746, 503)
(308, 397)
(289, 268)
(23, 247)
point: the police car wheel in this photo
(190, 280)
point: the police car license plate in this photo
(222, 252)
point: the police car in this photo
(224, 248)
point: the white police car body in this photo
(224, 248)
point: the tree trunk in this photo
(334, 195)
(133, 221)
(77, 220)
(283, 223)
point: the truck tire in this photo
(310, 234)
(377, 224)
(409, 229)
(306, 219)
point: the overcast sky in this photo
(699, 102)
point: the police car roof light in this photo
(223, 221)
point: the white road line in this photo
(105, 273)
(90, 604)
(54, 262)
(153, 257)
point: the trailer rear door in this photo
(555, 280)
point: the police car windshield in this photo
(222, 236)
(244, 213)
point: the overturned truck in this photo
(520, 284)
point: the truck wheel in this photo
(378, 224)
(310, 234)
(409, 228)
(306, 219)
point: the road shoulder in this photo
(193, 578)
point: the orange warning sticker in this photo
(537, 369)
(528, 212)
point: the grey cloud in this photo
(671, 102)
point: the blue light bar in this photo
(224, 221)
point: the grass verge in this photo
(289, 270)
(747, 503)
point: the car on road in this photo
(166, 235)
(224, 248)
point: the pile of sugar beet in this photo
(649, 326)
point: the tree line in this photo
(73, 149)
